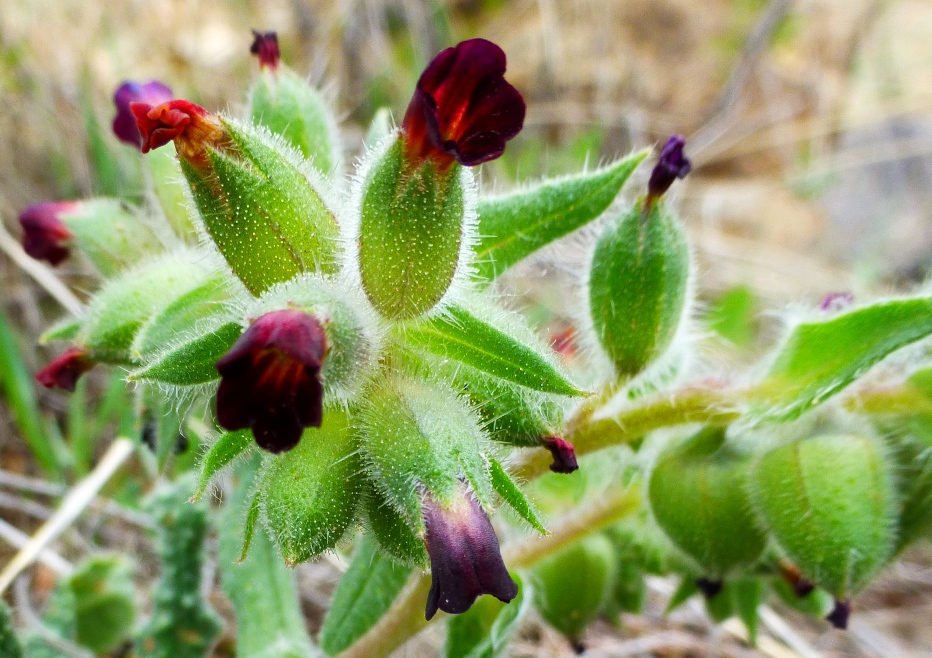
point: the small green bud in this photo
(310, 494)
(830, 504)
(698, 494)
(639, 286)
(413, 228)
(574, 584)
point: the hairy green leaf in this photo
(512, 494)
(224, 450)
(192, 362)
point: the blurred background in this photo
(809, 123)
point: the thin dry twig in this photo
(18, 539)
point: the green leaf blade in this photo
(191, 363)
(512, 494)
(224, 450)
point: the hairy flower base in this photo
(64, 370)
(465, 558)
(270, 379)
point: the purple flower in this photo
(64, 370)
(465, 559)
(124, 123)
(836, 301)
(265, 45)
(671, 164)
(463, 110)
(564, 454)
(45, 235)
(270, 379)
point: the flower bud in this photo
(564, 454)
(270, 379)
(124, 123)
(638, 286)
(671, 164)
(310, 495)
(264, 213)
(64, 370)
(45, 235)
(830, 505)
(698, 494)
(574, 584)
(285, 103)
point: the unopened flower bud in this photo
(64, 370)
(45, 235)
(564, 454)
(265, 47)
(671, 164)
(124, 123)
(839, 615)
(465, 558)
(270, 379)
(190, 126)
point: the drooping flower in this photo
(270, 379)
(124, 123)
(190, 126)
(465, 558)
(463, 110)
(64, 370)
(671, 164)
(840, 614)
(45, 235)
(265, 46)
(564, 454)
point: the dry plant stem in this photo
(19, 539)
(42, 274)
(405, 618)
(72, 506)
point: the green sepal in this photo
(746, 596)
(830, 505)
(224, 450)
(816, 603)
(364, 594)
(911, 454)
(514, 226)
(182, 316)
(698, 495)
(9, 643)
(117, 312)
(720, 607)
(638, 285)
(169, 186)
(392, 532)
(289, 106)
(266, 216)
(104, 602)
(311, 493)
(412, 226)
(820, 358)
(190, 363)
(683, 592)
(460, 335)
(510, 492)
(485, 630)
(250, 524)
(380, 127)
(112, 235)
(65, 329)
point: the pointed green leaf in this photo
(249, 527)
(819, 359)
(512, 494)
(683, 593)
(746, 595)
(364, 594)
(486, 628)
(190, 363)
(224, 450)
(514, 226)
(461, 336)
(64, 329)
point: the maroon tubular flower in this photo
(190, 126)
(671, 164)
(65, 370)
(124, 123)
(265, 46)
(463, 110)
(564, 454)
(465, 559)
(270, 379)
(840, 614)
(45, 235)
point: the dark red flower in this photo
(265, 45)
(124, 123)
(64, 370)
(463, 109)
(465, 559)
(836, 301)
(840, 614)
(190, 126)
(45, 235)
(709, 588)
(801, 585)
(270, 379)
(564, 454)
(671, 164)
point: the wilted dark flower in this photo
(463, 109)
(840, 614)
(265, 46)
(270, 379)
(64, 370)
(465, 559)
(124, 123)
(45, 235)
(564, 454)
(190, 126)
(801, 585)
(709, 588)
(671, 164)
